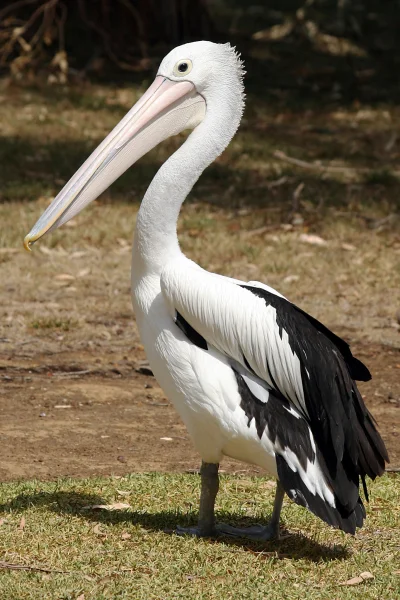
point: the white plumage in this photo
(252, 376)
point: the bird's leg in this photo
(209, 489)
(259, 532)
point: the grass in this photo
(48, 525)
(53, 323)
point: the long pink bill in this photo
(165, 109)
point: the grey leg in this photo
(209, 491)
(258, 532)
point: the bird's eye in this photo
(183, 67)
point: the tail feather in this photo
(335, 516)
(364, 454)
(373, 453)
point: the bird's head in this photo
(211, 68)
(191, 80)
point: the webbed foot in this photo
(197, 531)
(255, 532)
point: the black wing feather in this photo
(347, 440)
(190, 332)
(357, 369)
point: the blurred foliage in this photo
(70, 36)
(75, 38)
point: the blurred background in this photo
(306, 198)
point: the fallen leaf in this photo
(291, 278)
(349, 247)
(366, 575)
(83, 272)
(311, 238)
(123, 492)
(352, 581)
(80, 597)
(46, 250)
(22, 523)
(78, 254)
(270, 484)
(125, 536)
(64, 277)
(114, 506)
(97, 530)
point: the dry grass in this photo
(351, 282)
(48, 526)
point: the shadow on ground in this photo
(293, 546)
(32, 168)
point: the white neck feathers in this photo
(156, 240)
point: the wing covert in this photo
(236, 322)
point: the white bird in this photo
(252, 376)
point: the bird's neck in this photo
(156, 240)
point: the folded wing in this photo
(301, 362)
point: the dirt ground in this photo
(69, 415)
(75, 396)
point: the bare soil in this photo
(78, 414)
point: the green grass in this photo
(96, 559)
(53, 323)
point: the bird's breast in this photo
(200, 383)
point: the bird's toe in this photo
(196, 531)
(255, 532)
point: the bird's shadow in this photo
(294, 546)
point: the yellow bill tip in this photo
(28, 243)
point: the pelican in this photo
(252, 376)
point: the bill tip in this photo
(27, 243)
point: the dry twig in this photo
(316, 166)
(17, 567)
